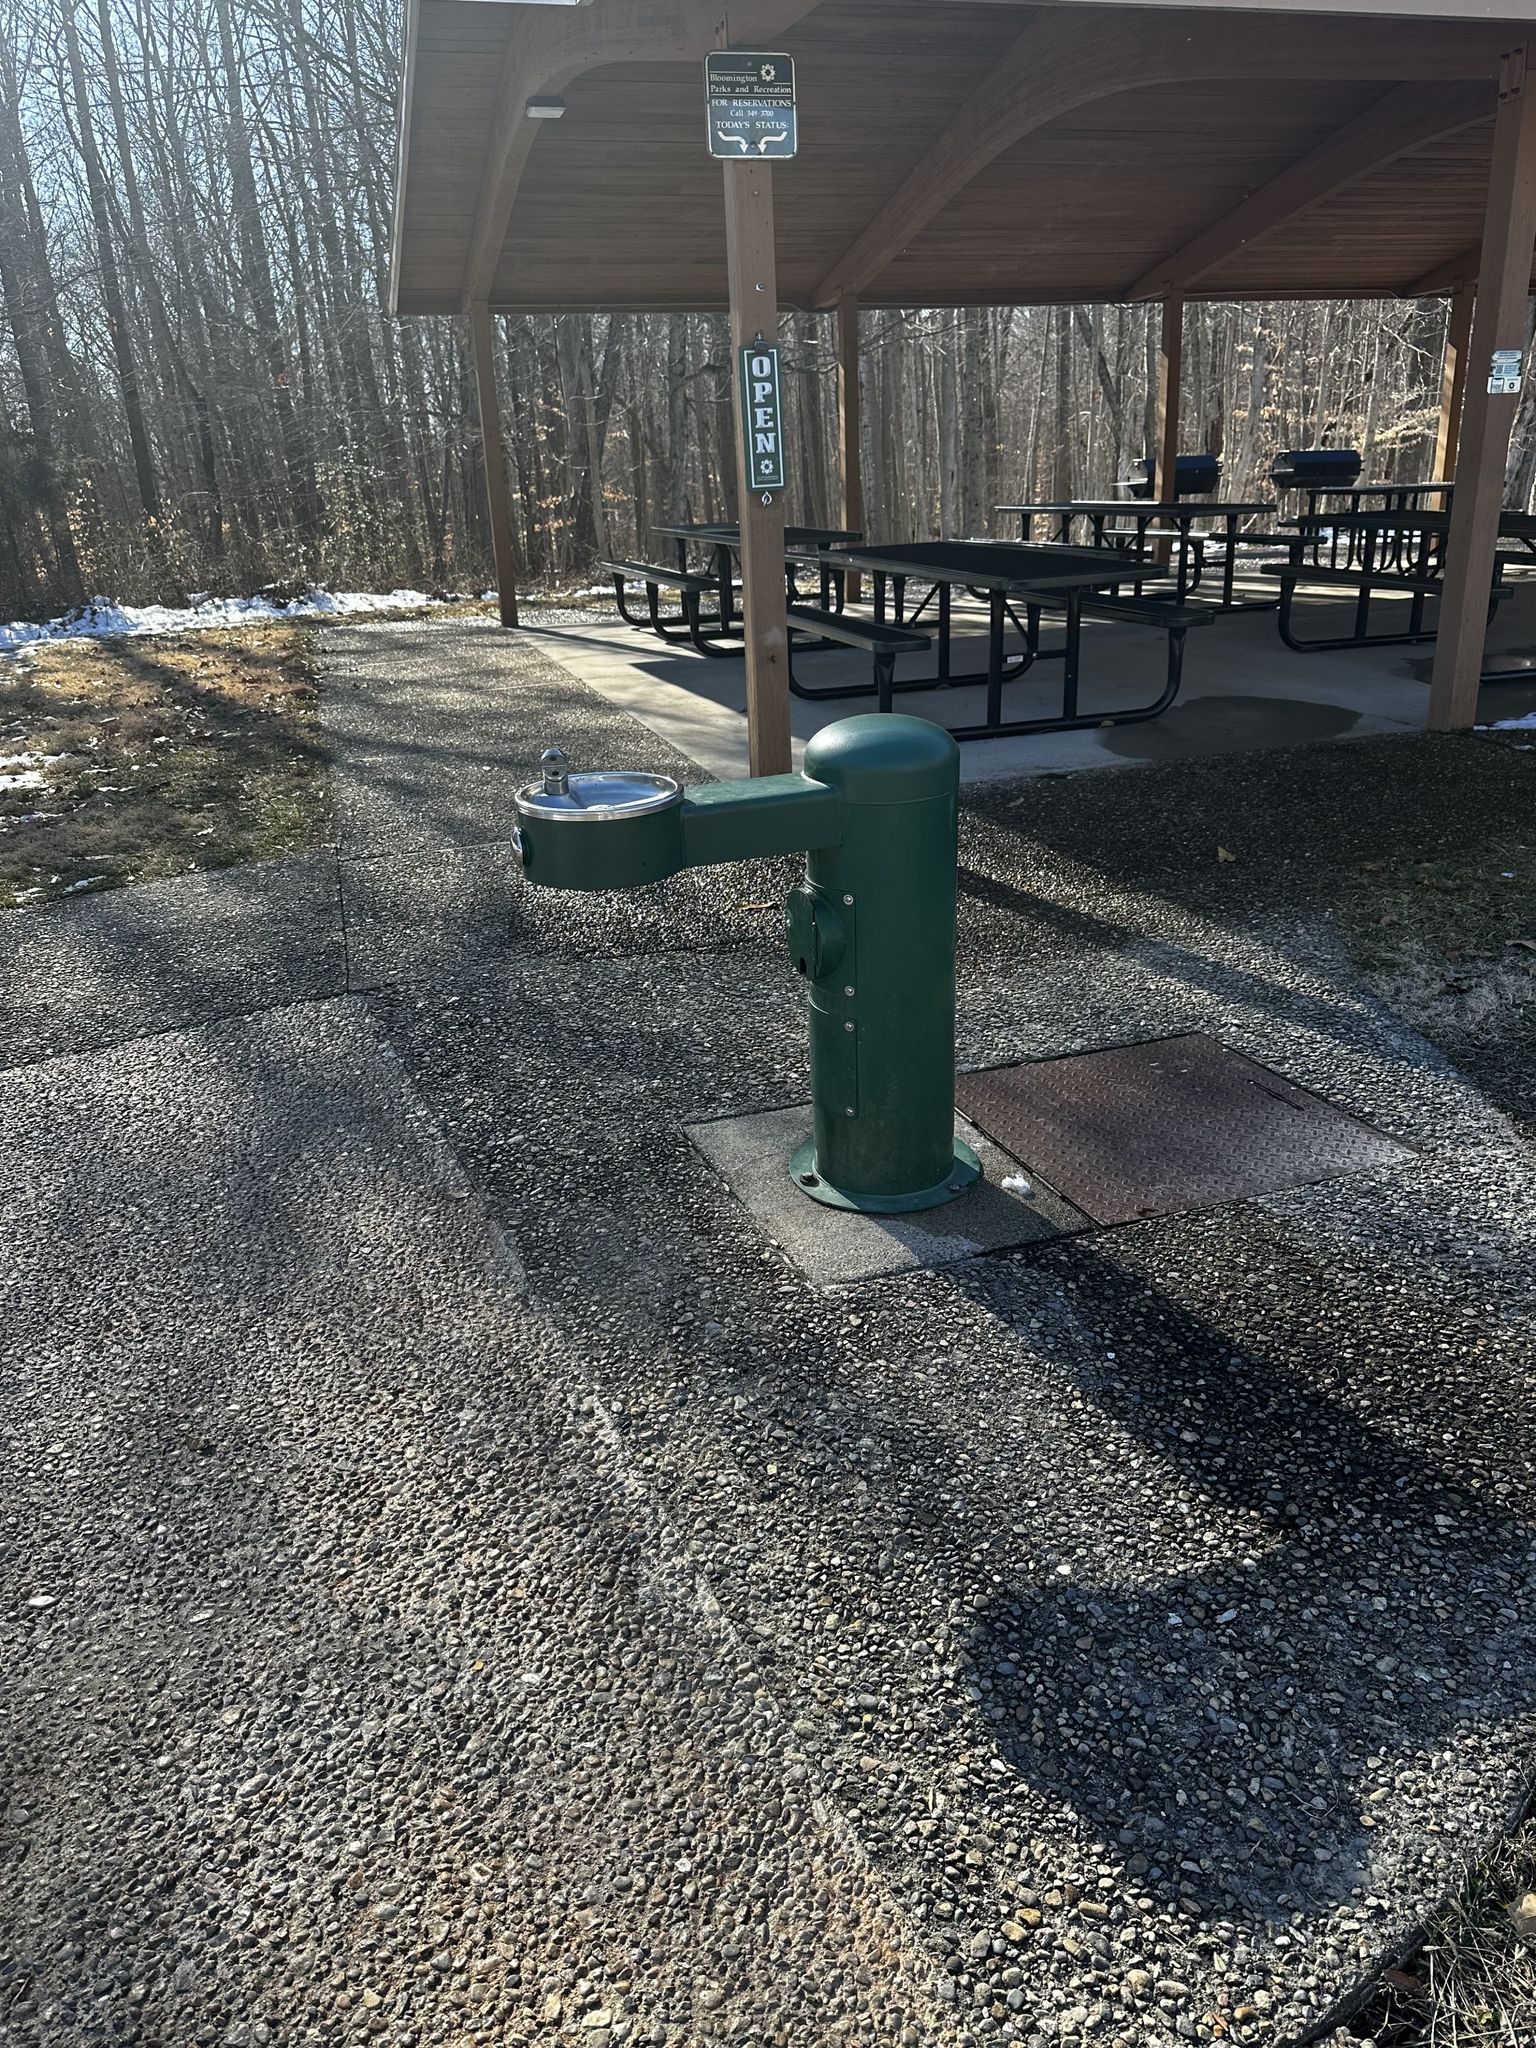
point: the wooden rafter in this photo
(549, 48)
(1446, 277)
(1403, 119)
(1068, 57)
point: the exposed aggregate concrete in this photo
(98, 969)
(433, 733)
(1120, 1642)
(355, 1690)
(962, 1507)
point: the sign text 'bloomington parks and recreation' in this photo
(750, 98)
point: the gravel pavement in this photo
(356, 1687)
(463, 1583)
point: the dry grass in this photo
(1473, 1983)
(129, 760)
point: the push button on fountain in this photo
(609, 829)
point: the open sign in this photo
(761, 416)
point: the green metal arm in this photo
(753, 819)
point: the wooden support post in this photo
(849, 415)
(1170, 361)
(755, 317)
(1499, 321)
(498, 495)
(1453, 379)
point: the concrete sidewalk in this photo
(463, 1582)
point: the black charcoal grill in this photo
(1316, 469)
(1194, 476)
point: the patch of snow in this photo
(1525, 724)
(101, 620)
(1016, 1184)
(25, 771)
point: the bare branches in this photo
(195, 199)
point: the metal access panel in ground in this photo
(1167, 1126)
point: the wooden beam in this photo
(750, 269)
(1068, 57)
(1453, 379)
(1170, 365)
(1445, 277)
(849, 430)
(498, 495)
(548, 48)
(1499, 322)
(410, 33)
(1401, 120)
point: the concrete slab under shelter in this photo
(1242, 689)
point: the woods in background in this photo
(199, 391)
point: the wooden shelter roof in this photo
(951, 152)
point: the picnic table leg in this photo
(1069, 666)
(879, 597)
(995, 658)
(1231, 568)
(1183, 528)
(885, 681)
(1363, 601)
(944, 598)
(899, 596)
(723, 581)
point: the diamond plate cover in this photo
(1165, 1126)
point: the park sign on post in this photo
(761, 416)
(1504, 373)
(750, 100)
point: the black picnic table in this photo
(1180, 516)
(1393, 549)
(1003, 574)
(1404, 540)
(1407, 497)
(722, 539)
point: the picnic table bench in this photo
(715, 632)
(1394, 554)
(1077, 582)
(882, 640)
(721, 539)
(689, 586)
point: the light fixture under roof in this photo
(542, 107)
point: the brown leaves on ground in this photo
(133, 759)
